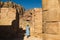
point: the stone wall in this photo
(51, 19)
(52, 12)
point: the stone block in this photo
(51, 27)
(51, 37)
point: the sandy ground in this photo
(32, 38)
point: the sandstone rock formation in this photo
(33, 18)
(7, 15)
(6, 6)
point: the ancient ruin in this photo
(44, 22)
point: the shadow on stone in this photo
(21, 34)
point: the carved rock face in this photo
(1, 3)
(8, 12)
(5, 4)
(7, 15)
(19, 8)
(27, 16)
(34, 18)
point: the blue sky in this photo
(28, 4)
